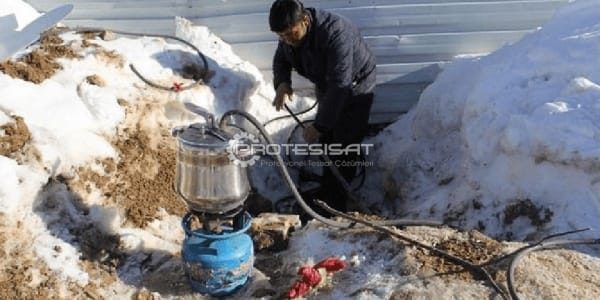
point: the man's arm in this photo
(282, 69)
(339, 80)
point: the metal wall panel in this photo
(412, 39)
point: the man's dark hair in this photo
(285, 13)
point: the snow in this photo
(4, 119)
(61, 121)
(9, 193)
(521, 126)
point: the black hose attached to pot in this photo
(291, 115)
(292, 186)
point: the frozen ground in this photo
(87, 162)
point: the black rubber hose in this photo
(164, 36)
(291, 115)
(478, 269)
(292, 186)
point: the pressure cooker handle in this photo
(210, 118)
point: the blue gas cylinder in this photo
(218, 264)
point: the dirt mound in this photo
(141, 182)
(22, 276)
(526, 208)
(21, 273)
(17, 270)
(145, 177)
(557, 275)
(474, 247)
(16, 135)
(15, 142)
(95, 80)
(40, 64)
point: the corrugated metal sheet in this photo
(411, 38)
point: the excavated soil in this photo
(557, 271)
(15, 142)
(16, 135)
(525, 208)
(95, 80)
(141, 182)
(475, 248)
(40, 64)
(23, 276)
(102, 54)
(110, 57)
(145, 182)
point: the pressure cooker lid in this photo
(202, 136)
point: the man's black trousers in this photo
(351, 128)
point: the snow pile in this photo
(507, 143)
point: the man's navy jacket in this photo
(334, 57)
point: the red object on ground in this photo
(311, 276)
(299, 289)
(177, 87)
(331, 264)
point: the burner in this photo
(213, 223)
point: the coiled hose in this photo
(199, 78)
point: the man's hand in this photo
(311, 134)
(284, 90)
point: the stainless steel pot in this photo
(206, 179)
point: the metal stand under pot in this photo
(218, 254)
